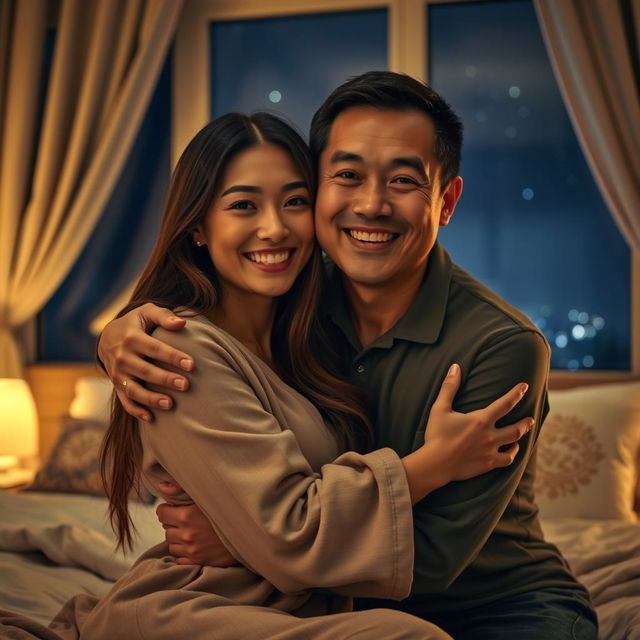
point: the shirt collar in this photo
(424, 319)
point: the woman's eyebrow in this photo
(241, 187)
(297, 184)
(245, 188)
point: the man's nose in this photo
(370, 200)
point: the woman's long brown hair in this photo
(179, 274)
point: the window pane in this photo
(289, 65)
(531, 223)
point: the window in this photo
(531, 223)
(288, 65)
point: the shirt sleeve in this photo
(348, 527)
(452, 524)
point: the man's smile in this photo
(370, 239)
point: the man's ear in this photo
(450, 197)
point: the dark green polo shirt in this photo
(478, 540)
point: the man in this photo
(387, 150)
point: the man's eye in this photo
(347, 175)
(297, 201)
(242, 204)
(404, 180)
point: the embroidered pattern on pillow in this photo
(569, 457)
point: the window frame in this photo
(407, 34)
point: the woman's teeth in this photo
(269, 258)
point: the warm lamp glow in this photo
(18, 422)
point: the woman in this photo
(258, 443)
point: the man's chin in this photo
(366, 277)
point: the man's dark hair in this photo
(389, 90)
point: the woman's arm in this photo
(348, 528)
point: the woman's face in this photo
(259, 230)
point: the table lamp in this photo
(18, 432)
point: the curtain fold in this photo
(107, 58)
(593, 46)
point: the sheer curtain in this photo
(55, 181)
(594, 49)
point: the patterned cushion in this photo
(588, 452)
(74, 463)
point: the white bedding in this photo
(605, 555)
(53, 546)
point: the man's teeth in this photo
(269, 258)
(365, 236)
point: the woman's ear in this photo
(198, 238)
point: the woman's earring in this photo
(198, 243)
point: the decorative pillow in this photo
(92, 399)
(74, 463)
(588, 451)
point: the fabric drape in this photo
(55, 179)
(594, 49)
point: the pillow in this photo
(74, 463)
(587, 453)
(92, 399)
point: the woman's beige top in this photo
(259, 461)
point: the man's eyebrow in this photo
(297, 184)
(243, 188)
(345, 156)
(413, 162)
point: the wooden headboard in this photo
(53, 388)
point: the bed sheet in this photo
(53, 546)
(605, 556)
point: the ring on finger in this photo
(124, 384)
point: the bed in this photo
(56, 542)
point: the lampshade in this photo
(18, 419)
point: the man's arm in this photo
(124, 349)
(452, 525)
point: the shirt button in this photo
(360, 368)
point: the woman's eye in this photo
(242, 204)
(297, 201)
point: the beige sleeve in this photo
(348, 528)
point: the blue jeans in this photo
(538, 615)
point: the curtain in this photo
(55, 179)
(594, 49)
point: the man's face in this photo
(379, 201)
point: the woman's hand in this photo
(459, 446)
(125, 348)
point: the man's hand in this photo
(192, 540)
(125, 348)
